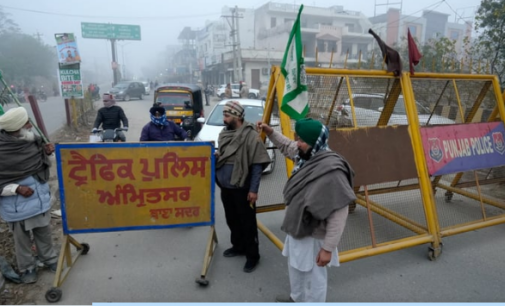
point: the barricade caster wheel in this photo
(202, 282)
(448, 196)
(85, 248)
(53, 295)
(433, 253)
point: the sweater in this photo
(110, 118)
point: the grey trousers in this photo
(23, 245)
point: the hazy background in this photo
(162, 21)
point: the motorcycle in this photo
(109, 135)
(21, 97)
(41, 96)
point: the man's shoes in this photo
(284, 299)
(250, 265)
(231, 252)
(29, 276)
(52, 267)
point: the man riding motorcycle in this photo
(110, 117)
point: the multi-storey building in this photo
(331, 36)
(392, 26)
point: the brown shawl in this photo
(247, 149)
(323, 185)
(20, 159)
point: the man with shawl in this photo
(25, 196)
(317, 196)
(241, 158)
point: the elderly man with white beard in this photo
(25, 196)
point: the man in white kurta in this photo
(317, 196)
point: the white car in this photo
(214, 124)
(235, 91)
(368, 108)
(148, 88)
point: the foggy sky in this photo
(162, 20)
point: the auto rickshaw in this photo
(183, 104)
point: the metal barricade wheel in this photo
(85, 248)
(53, 295)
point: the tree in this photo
(23, 57)
(439, 55)
(7, 25)
(490, 23)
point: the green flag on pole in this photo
(295, 102)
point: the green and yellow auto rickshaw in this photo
(183, 104)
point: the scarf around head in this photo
(162, 121)
(321, 145)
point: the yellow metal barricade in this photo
(378, 122)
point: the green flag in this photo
(295, 102)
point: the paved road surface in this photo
(161, 265)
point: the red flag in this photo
(414, 54)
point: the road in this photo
(161, 265)
(52, 110)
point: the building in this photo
(325, 31)
(332, 36)
(216, 40)
(328, 34)
(184, 65)
(392, 26)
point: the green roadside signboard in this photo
(110, 31)
(71, 83)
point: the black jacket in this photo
(109, 117)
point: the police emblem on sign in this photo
(436, 152)
(499, 143)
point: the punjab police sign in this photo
(463, 147)
(133, 186)
(70, 82)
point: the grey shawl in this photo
(20, 159)
(246, 148)
(323, 185)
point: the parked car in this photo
(253, 93)
(147, 87)
(127, 90)
(253, 113)
(368, 108)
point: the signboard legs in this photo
(209, 252)
(54, 294)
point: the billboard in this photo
(66, 46)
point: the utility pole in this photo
(124, 62)
(38, 36)
(233, 31)
(239, 51)
(114, 68)
(237, 61)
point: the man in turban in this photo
(161, 129)
(317, 196)
(242, 157)
(25, 196)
